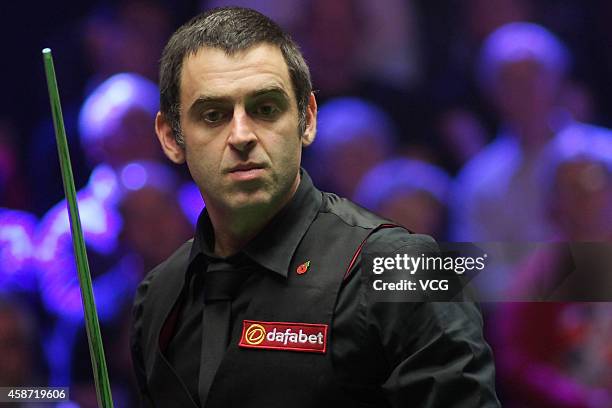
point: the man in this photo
(18, 348)
(408, 191)
(497, 196)
(354, 135)
(123, 105)
(266, 306)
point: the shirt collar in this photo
(274, 246)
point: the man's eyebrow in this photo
(207, 99)
(274, 89)
(218, 99)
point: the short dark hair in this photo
(231, 29)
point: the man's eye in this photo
(267, 110)
(213, 116)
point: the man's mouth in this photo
(246, 171)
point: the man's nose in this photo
(242, 134)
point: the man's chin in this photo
(254, 200)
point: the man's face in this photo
(239, 120)
(526, 90)
(583, 200)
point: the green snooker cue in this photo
(92, 325)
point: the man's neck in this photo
(234, 229)
(533, 135)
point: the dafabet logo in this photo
(255, 334)
(306, 337)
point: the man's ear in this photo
(311, 121)
(168, 142)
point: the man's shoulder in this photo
(399, 239)
(390, 239)
(173, 265)
(484, 170)
(350, 213)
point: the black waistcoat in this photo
(254, 377)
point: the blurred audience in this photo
(399, 102)
(462, 135)
(125, 38)
(559, 354)
(522, 66)
(554, 355)
(17, 267)
(153, 226)
(154, 223)
(409, 192)
(353, 135)
(115, 125)
(18, 349)
(115, 122)
(579, 181)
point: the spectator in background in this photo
(462, 136)
(350, 43)
(353, 136)
(371, 50)
(409, 192)
(559, 354)
(114, 122)
(154, 223)
(453, 36)
(579, 102)
(115, 129)
(18, 349)
(553, 355)
(578, 192)
(389, 44)
(17, 269)
(126, 38)
(522, 67)
(579, 176)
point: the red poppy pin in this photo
(303, 268)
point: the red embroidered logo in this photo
(303, 268)
(306, 337)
